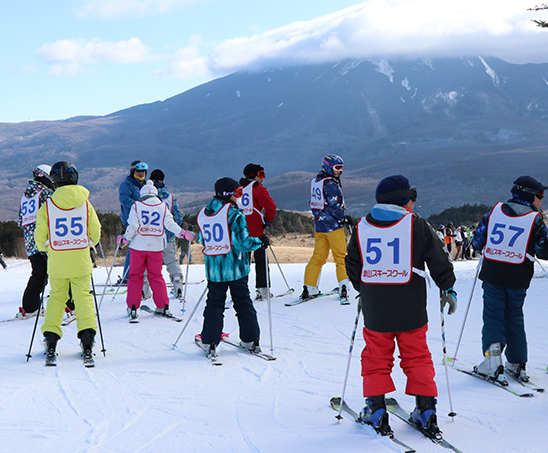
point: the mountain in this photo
(461, 129)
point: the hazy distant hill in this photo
(460, 129)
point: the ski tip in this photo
(452, 414)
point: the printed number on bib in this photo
(375, 252)
(153, 218)
(64, 225)
(28, 207)
(213, 233)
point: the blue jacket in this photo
(330, 218)
(512, 276)
(129, 193)
(233, 265)
(163, 193)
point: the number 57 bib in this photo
(386, 252)
(507, 237)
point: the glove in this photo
(449, 296)
(265, 240)
(188, 235)
(121, 240)
(348, 220)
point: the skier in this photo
(449, 239)
(385, 263)
(259, 210)
(38, 190)
(226, 241)
(129, 194)
(170, 251)
(327, 204)
(510, 235)
(2, 262)
(66, 226)
(148, 219)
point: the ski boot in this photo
(132, 314)
(251, 346)
(374, 413)
(491, 367)
(517, 370)
(50, 340)
(163, 311)
(87, 337)
(262, 294)
(343, 290)
(178, 286)
(424, 416)
(309, 292)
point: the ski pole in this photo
(103, 254)
(190, 317)
(268, 301)
(98, 317)
(289, 290)
(451, 414)
(120, 284)
(339, 416)
(109, 271)
(37, 316)
(186, 273)
(467, 309)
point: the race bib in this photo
(317, 200)
(247, 199)
(151, 218)
(215, 232)
(29, 209)
(507, 236)
(386, 252)
(68, 228)
(169, 202)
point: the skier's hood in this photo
(33, 188)
(68, 197)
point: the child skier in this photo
(148, 219)
(226, 241)
(66, 226)
(385, 263)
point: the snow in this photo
(145, 396)
(491, 72)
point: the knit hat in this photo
(251, 170)
(148, 189)
(395, 190)
(525, 188)
(157, 177)
(225, 188)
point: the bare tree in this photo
(540, 23)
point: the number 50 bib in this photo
(215, 231)
(386, 251)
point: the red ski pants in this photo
(416, 362)
(139, 261)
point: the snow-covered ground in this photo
(145, 396)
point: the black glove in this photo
(265, 240)
(348, 220)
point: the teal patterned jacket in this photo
(235, 264)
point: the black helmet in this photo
(64, 173)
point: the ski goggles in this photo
(538, 193)
(261, 174)
(237, 193)
(338, 167)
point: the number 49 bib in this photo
(386, 251)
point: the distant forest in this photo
(465, 215)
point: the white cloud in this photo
(387, 29)
(123, 8)
(69, 55)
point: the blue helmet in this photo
(138, 165)
(329, 161)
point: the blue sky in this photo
(64, 58)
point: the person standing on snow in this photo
(327, 204)
(38, 190)
(510, 235)
(226, 241)
(170, 251)
(148, 219)
(66, 227)
(259, 209)
(129, 193)
(385, 262)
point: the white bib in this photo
(169, 202)
(151, 218)
(68, 228)
(29, 209)
(507, 237)
(317, 200)
(247, 199)
(215, 231)
(386, 251)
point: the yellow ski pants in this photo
(323, 242)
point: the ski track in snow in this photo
(145, 396)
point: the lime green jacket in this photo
(67, 263)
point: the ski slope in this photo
(145, 396)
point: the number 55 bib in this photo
(508, 236)
(386, 251)
(68, 228)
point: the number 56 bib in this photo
(386, 251)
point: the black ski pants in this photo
(36, 283)
(215, 308)
(260, 267)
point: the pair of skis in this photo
(214, 358)
(344, 300)
(394, 408)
